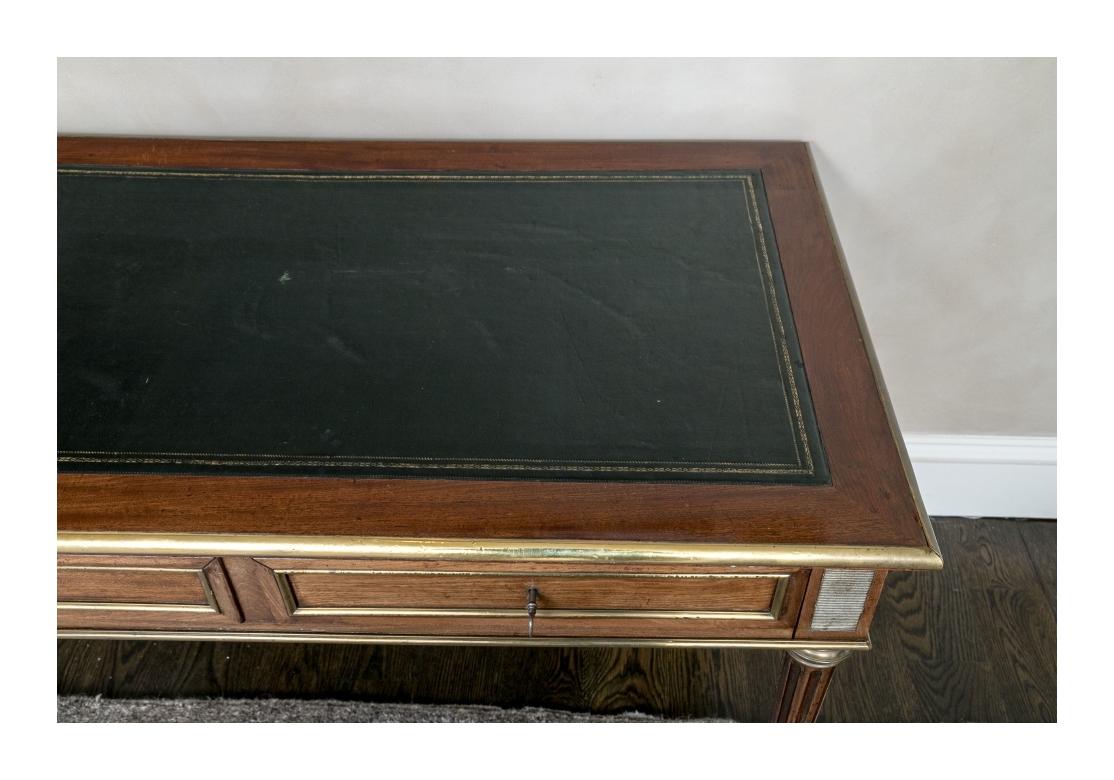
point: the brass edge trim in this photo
(103, 606)
(519, 613)
(400, 639)
(518, 550)
(286, 591)
(209, 608)
(872, 357)
(777, 601)
(171, 569)
(546, 574)
(207, 587)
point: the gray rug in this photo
(87, 709)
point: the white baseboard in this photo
(985, 476)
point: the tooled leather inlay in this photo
(566, 325)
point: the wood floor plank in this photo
(974, 642)
(1026, 630)
(1040, 543)
(986, 554)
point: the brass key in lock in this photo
(531, 609)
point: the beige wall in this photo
(940, 174)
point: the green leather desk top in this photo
(601, 326)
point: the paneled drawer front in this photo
(397, 597)
(138, 591)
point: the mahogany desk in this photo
(482, 393)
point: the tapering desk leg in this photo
(804, 681)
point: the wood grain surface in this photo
(367, 586)
(802, 691)
(975, 642)
(870, 501)
(114, 586)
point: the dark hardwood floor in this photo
(975, 642)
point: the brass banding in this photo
(521, 550)
(111, 606)
(400, 639)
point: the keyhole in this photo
(531, 610)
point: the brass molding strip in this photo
(777, 601)
(401, 639)
(114, 606)
(520, 550)
(601, 574)
(209, 608)
(282, 579)
(519, 613)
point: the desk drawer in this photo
(397, 597)
(96, 591)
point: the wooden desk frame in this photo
(868, 520)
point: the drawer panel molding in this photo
(108, 580)
(582, 595)
(112, 590)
